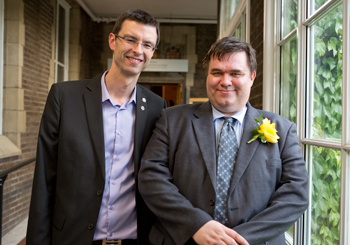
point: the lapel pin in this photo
(144, 100)
(142, 108)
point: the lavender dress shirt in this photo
(117, 217)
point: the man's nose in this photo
(226, 80)
(137, 48)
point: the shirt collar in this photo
(239, 116)
(105, 94)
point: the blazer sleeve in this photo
(290, 198)
(44, 183)
(174, 211)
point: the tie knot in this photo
(229, 120)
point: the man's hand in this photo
(216, 233)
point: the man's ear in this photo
(111, 41)
(252, 78)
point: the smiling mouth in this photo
(134, 59)
(226, 91)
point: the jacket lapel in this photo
(140, 124)
(246, 151)
(93, 109)
(204, 131)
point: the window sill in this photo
(7, 148)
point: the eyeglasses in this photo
(133, 42)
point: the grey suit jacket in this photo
(70, 165)
(177, 179)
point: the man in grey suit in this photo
(178, 178)
(92, 136)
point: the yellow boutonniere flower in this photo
(266, 131)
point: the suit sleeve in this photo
(174, 211)
(44, 183)
(288, 202)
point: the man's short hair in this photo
(230, 45)
(139, 16)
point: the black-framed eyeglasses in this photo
(132, 42)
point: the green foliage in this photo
(325, 209)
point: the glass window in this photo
(326, 75)
(229, 7)
(237, 17)
(238, 32)
(316, 4)
(325, 195)
(308, 71)
(288, 79)
(62, 35)
(288, 16)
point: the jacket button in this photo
(211, 202)
(99, 192)
(90, 226)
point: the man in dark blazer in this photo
(177, 179)
(85, 188)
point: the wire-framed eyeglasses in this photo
(132, 42)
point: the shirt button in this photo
(119, 133)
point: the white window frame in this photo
(271, 97)
(240, 16)
(65, 65)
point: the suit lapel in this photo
(246, 151)
(140, 124)
(204, 131)
(94, 117)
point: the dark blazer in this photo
(177, 179)
(70, 165)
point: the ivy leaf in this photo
(319, 88)
(340, 67)
(338, 83)
(337, 108)
(325, 72)
(330, 61)
(327, 98)
(338, 27)
(320, 47)
(332, 45)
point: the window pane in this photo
(326, 67)
(61, 33)
(325, 200)
(230, 8)
(288, 80)
(60, 74)
(238, 32)
(288, 16)
(316, 4)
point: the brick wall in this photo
(98, 39)
(206, 36)
(38, 20)
(257, 41)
